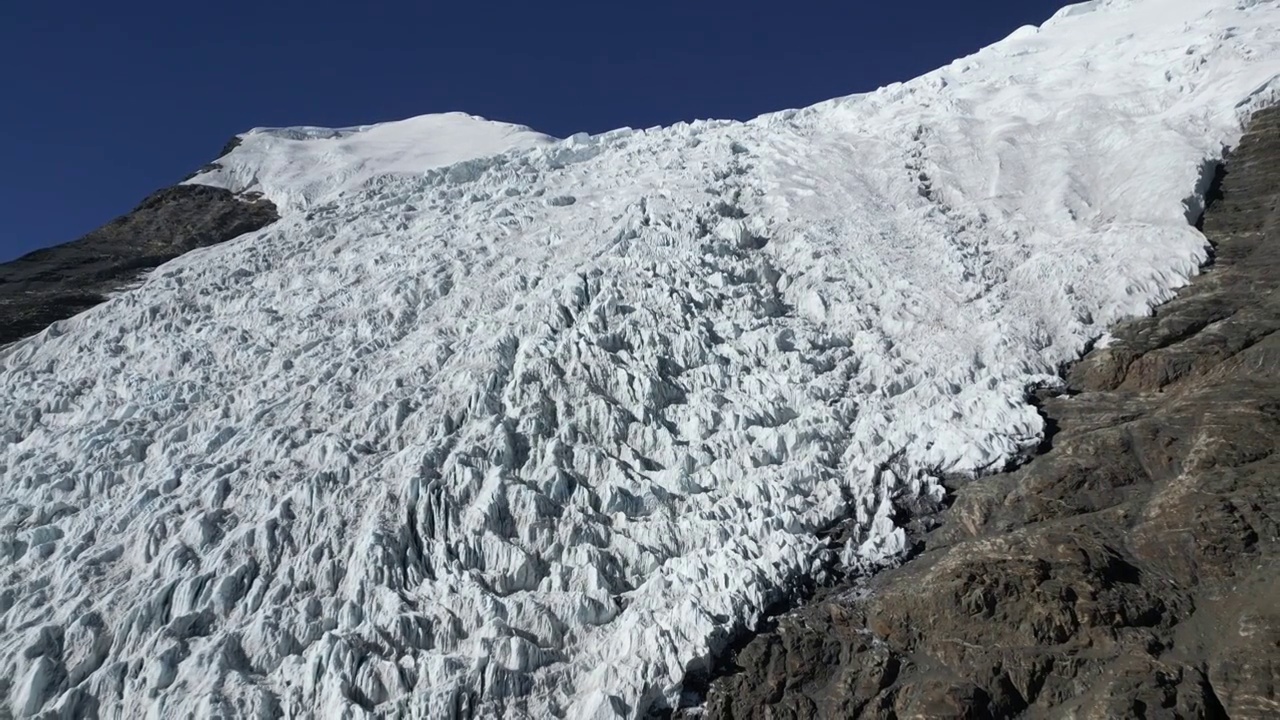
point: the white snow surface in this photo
(493, 425)
(301, 166)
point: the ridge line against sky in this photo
(107, 103)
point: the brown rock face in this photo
(55, 283)
(1133, 570)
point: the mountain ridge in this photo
(52, 284)
(533, 433)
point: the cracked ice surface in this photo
(530, 433)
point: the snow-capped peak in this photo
(297, 166)
(489, 425)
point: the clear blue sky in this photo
(104, 102)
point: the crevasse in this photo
(490, 424)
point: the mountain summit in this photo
(300, 166)
(490, 424)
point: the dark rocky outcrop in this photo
(1132, 570)
(58, 282)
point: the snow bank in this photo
(529, 433)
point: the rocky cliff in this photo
(1131, 570)
(55, 283)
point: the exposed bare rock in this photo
(1132, 570)
(55, 283)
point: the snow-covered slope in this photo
(300, 166)
(529, 433)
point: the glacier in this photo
(490, 424)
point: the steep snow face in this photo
(296, 167)
(530, 434)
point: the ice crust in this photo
(494, 425)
